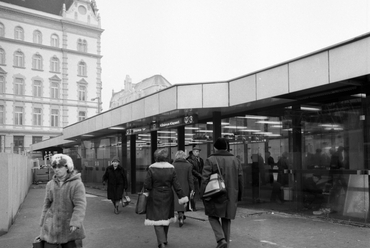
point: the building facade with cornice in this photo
(136, 91)
(50, 68)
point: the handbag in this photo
(142, 199)
(215, 185)
(38, 243)
(125, 199)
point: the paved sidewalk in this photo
(251, 228)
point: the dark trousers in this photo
(161, 233)
(221, 230)
(70, 244)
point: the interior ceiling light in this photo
(361, 95)
(329, 125)
(250, 130)
(307, 108)
(117, 128)
(269, 122)
(192, 128)
(222, 123)
(253, 117)
(166, 132)
(236, 127)
(276, 126)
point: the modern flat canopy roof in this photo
(340, 68)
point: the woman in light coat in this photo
(64, 207)
(160, 179)
(184, 174)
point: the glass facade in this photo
(306, 158)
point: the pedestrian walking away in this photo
(221, 209)
(184, 174)
(116, 178)
(64, 206)
(160, 183)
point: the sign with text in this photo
(186, 120)
(137, 130)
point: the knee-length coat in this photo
(184, 174)
(64, 206)
(223, 206)
(161, 182)
(116, 182)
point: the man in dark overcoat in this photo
(197, 166)
(221, 209)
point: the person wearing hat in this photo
(197, 167)
(116, 177)
(64, 206)
(221, 209)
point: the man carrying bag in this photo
(221, 208)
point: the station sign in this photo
(185, 120)
(181, 121)
(137, 130)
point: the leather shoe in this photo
(181, 222)
(221, 244)
(161, 245)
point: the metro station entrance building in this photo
(300, 129)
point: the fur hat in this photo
(62, 159)
(221, 144)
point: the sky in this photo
(193, 41)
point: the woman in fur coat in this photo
(64, 207)
(160, 179)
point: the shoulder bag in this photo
(38, 243)
(142, 199)
(215, 185)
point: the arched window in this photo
(2, 30)
(37, 37)
(82, 70)
(2, 56)
(54, 64)
(82, 45)
(54, 40)
(18, 59)
(18, 33)
(37, 62)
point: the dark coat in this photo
(64, 206)
(184, 175)
(160, 179)
(225, 205)
(197, 168)
(117, 182)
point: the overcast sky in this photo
(192, 41)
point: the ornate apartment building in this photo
(135, 91)
(50, 68)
